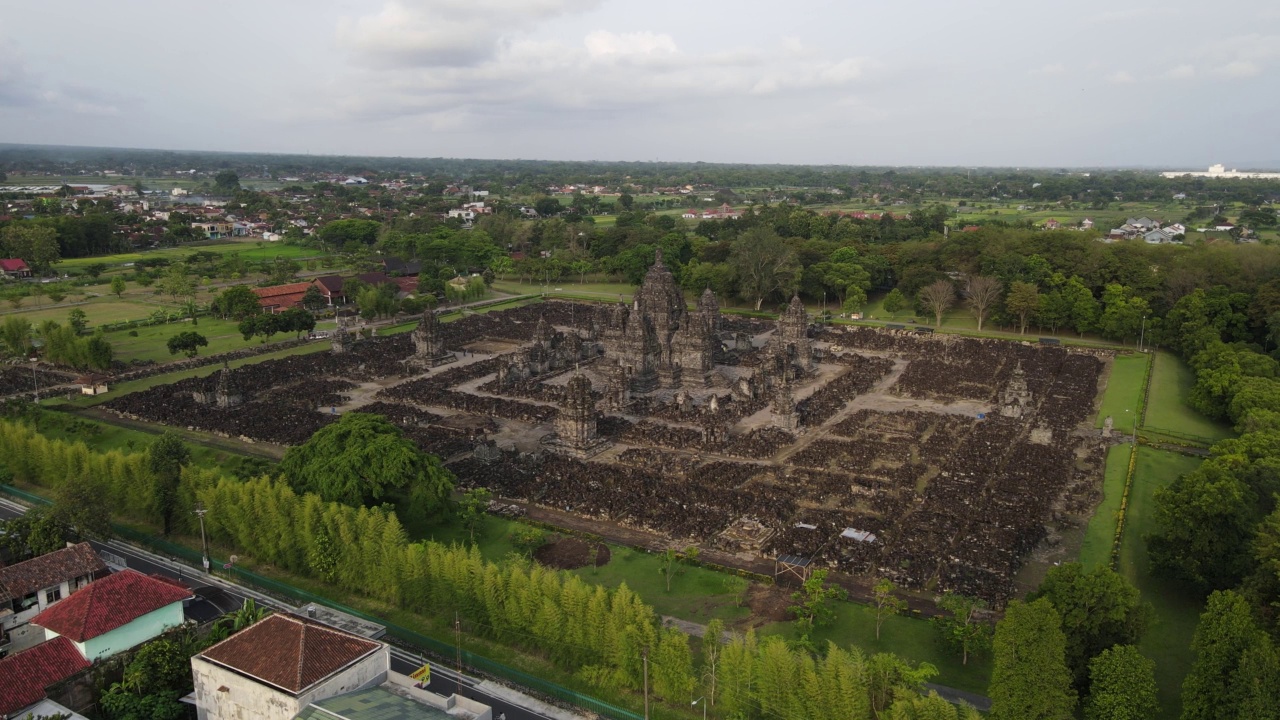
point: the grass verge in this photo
(1124, 391)
(1168, 640)
(1168, 409)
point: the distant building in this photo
(1220, 171)
(14, 268)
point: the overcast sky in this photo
(1173, 84)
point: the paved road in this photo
(218, 596)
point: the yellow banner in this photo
(422, 674)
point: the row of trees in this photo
(65, 345)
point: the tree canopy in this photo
(363, 459)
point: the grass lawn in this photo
(248, 250)
(911, 638)
(97, 311)
(1124, 391)
(1168, 409)
(697, 594)
(150, 343)
(1101, 531)
(605, 290)
(1168, 640)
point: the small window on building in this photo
(54, 595)
(29, 601)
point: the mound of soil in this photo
(769, 603)
(571, 553)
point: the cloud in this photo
(642, 71)
(604, 44)
(1239, 69)
(1121, 77)
(1182, 72)
(446, 33)
(22, 89)
(1051, 69)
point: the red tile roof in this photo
(109, 603)
(27, 673)
(49, 570)
(289, 652)
(277, 290)
(12, 265)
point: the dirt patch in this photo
(571, 553)
(768, 604)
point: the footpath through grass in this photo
(1124, 391)
(1099, 535)
(1168, 410)
(1168, 640)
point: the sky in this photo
(1088, 83)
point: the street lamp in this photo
(204, 542)
(35, 379)
(704, 706)
(1142, 335)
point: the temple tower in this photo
(1015, 399)
(576, 424)
(429, 350)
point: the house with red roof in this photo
(14, 268)
(115, 613)
(278, 298)
(276, 667)
(27, 588)
(25, 675)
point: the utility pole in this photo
(1143, 334)
(644, 654)
(204, 542)
(457, 648)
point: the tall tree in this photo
(1023, 301)
(1122, 686)
(813, 602)
(962, 629)
(15, 335)
(982, 292)
(937, 298)
(35, 244)
(361, 459)
(765, 264)
(165, 458)
(886, 603)
(1098, 608)
(1030, 679)
(1226, 631)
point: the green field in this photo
(1168, 640)
(150, 343)
(97, 311)
(1101, 532)
(248, 249)
(1168, 410)
(911, 638)
(1124, 391)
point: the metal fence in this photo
(290, 593)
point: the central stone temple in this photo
(428, 344)
(657, 341)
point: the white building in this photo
(1220, 171)
(279, 665)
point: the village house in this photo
(214, 230)
(14, 268)
(278, 298)
(28, 673)
(28, 588)
(120, 611)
